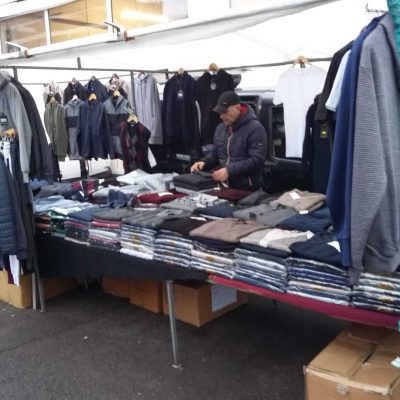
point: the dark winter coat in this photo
(207, 98)
(94, 136)
(96, 87)
(42, 157)
(179, 114)
(12, 233)
(116, 114)
(242, 149)
(74, 89)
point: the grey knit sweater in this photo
(375, 208)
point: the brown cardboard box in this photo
(198, 302)
(21, 296)
(356, 365)
(146, 294)
(117, 287)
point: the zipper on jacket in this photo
(228, 145)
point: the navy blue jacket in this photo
(94, 136)
(96, 87)
(179, 114)
(243, 152)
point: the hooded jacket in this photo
(12, 107)
(96, 87)
(74, 89)
(94, 136)
(242, 149)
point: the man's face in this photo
(230, 115)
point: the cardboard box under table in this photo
(199, 302)
(359, 364)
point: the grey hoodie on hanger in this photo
(12, 107)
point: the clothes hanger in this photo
(74, 97)
(116, 93)
(302, 61)
(213, 68)
(92, 97)
(180, 71)
(132, 116)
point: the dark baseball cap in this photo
(226, 99)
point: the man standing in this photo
(240, 145)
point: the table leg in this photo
(172, 321)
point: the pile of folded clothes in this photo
(195, 182)
(173, 244)
(260, 269)
(105, 227)
(215, 242)
(139, 230)
(378, 292)
(77, 225)
(317, 280)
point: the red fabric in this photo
(334, 310)
(229, 194)
(155, 198)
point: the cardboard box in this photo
(356, 365)
(117, 287)
(198, 302)
(21, 296)
(146, 294)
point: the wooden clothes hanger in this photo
(132, 116)
(303, 61)
(9, 133)
(92, 97)
(213, 68)
(180, 71)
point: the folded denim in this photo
(248, 266)
(318, 277)
(261, 262)
(379, 284)
(393, 277)
(263, 277)
(376, 291)
(383, 300)
(326, 289)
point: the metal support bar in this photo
(172, 321)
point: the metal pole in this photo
(172, 321)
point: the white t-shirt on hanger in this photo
(297, 88)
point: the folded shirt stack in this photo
(105, 228)
(215, 242)
(260, 269)
(139, 230)
(58, 216)
(320, 281)
(195, 182)
(77, 225)
(173, 244)
(377, 292)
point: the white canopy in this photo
(276, 32)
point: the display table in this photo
(61, 258)
(334, 310)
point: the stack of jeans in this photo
(377, 292)
(319, 281)
(260, 269)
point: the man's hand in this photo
(197, 166)
(221, 175)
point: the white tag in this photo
(309, 234)
(164, 194)
(303, 212)
(294, 196)
(396, 362)
(335, 244)
(152, 160)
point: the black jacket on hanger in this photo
(207, 91)
(74, 89)
(179, 114)
(41, 161)
(96, 87)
